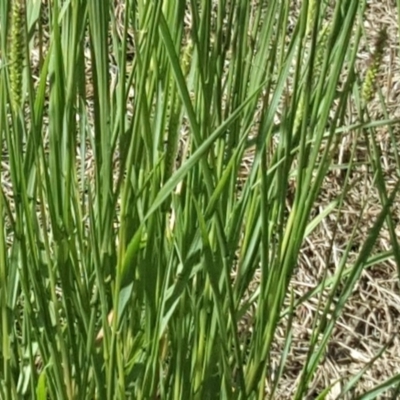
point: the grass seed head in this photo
(17, 51)
(376, 60)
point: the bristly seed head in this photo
(375, 62)
(16, 45)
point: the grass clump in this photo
(143, 255)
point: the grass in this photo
(163, 167)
